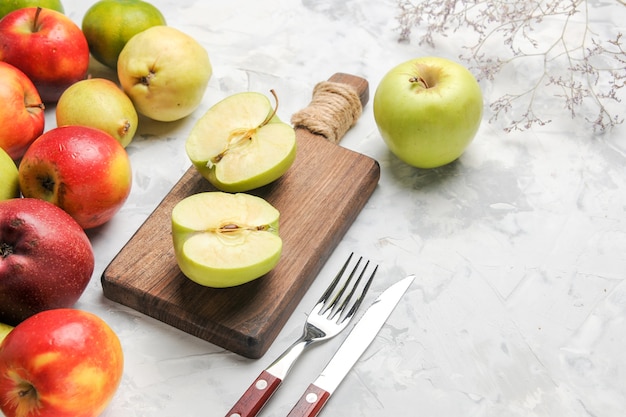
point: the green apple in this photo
(240, 144)
(223, 239)
(10, 184)
(5, 329)
(109, 24)
(428, 110)
(99, 103)
(7, 6)
(165, 72)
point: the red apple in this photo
(59, 363)
(83, 170)
(47, 46)
(22, 117)
(46, 259)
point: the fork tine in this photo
(359, 300)
(333, 284)
(335, 302)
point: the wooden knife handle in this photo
(256, 396)
(310, 403)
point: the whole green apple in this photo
(9, 186)
(109, 24)
(428, 110)
(165, 72)
(7, 6)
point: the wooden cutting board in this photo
(318, 199)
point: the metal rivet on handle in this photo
(261, 384)
(235, 415)
(311, 397)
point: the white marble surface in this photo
(519, 307)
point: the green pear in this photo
(224, 240)
(240, 144)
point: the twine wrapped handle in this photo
(334, 109)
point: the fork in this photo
(329, 317)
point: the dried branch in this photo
(511, 37)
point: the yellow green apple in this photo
(109, 24)
(5, 329)
(428, 110)
(165, 72)
(240, 144)
(9, 186)
(223, 239)
(99, 103)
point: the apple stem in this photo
(418, 79)
(36, 106)
(271, 116)
(26, 392)
(35, 27)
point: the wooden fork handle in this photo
(256, 396)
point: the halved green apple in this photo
(240, 144)
(223, 239)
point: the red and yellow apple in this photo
(46, 259)
(22, 117)
(81, 169)
(428, 110)
(47, 46)
(60, 363)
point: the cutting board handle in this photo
(335, 107)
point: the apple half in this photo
(240, 144)
(223, 239)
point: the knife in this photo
(318, 392)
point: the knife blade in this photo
(360, 337)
